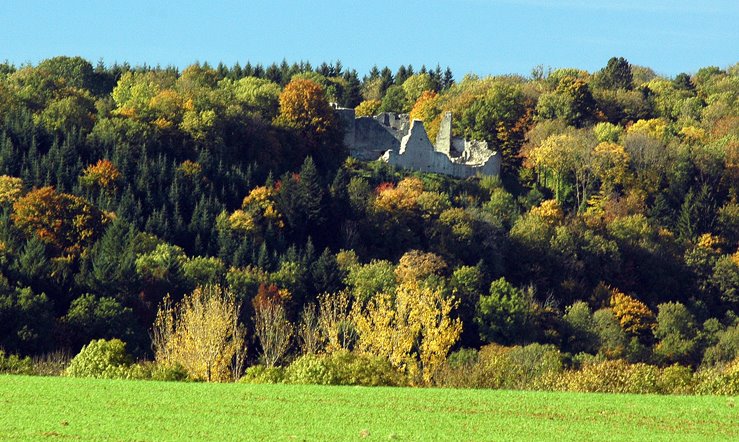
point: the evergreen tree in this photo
(386, 79)
(325, 273)
(353, 93)
(617, 74)
(112, 263)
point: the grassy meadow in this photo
(56, 408)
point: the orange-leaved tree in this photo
(303, 106)
(103, 175)
(66, 222)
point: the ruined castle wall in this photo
(347, 117)
(406, 144)
(444, 137)
(417, 153)
(372, 139)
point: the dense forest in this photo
(612, 232)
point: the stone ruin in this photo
(403, 143)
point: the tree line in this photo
(612, 231)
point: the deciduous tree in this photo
(202, 333)
(66, 222)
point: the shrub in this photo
(461, 370)
(495, 366)
(168, 373)
(676, 379)
(611, 377)
(100, 359)
(14, 364)
(465, 357)
(723, 380)
(310, 369)
(343, 368)
(526, 367)
(261, 374)
(148, 370)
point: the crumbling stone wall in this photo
(394, 139)
(417, 153)
(444, 137)
(369, 137)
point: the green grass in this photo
(38, 408)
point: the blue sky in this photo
(479, 36)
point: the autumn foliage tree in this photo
(103, 175)
(635, 317)
(66, 222)
(201, 333)
(367, 108)
(271, 325)
(413, 328)
(303, 106)
(10, 189)
(305, 109)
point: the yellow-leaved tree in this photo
(635, 317)
(412, 328)
(201, 333)
(11, 189)
(367, 108)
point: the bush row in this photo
(338, 368)
(531, 367)
(542, 367)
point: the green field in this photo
(39, 408)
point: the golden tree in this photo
(103, 175)
(303, 106)
(10, 189)
(202, 333)
(335, 321)
(550, 211)
(401, 198)
(426, 108)
(633, 315)
(367, 108)
(611, 164)
(413, 328)
(416, 265)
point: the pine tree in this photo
(311, 194)
(353, 93)
(326, 274)
(448, 80)
(33, 264)
(112, 269)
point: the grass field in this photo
(38, 408)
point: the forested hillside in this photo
(613, 230)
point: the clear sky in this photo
(480, 36)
